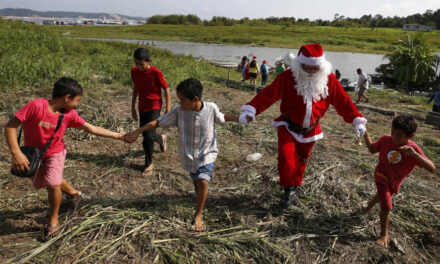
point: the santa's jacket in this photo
(303, 114)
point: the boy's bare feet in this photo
(148, 172)
(163, 143)
(383, 241)
(52, 231)
(366, 211)
(197, 224)
(76, 200)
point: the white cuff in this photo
(288, 59)
(249, 108)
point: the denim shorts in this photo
(203, 173)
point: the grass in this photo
(133, 219)
(365, 40)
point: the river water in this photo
(345, 62)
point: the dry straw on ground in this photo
(132, 219)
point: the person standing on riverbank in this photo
(253, 71)
(436, 98)
(362, 85)
(279, 67)
(264, 72)
(306, 90)
(148, 82)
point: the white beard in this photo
(311, 85)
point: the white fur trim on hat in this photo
(312, 61)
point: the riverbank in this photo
(364, 40)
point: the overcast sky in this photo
(206, 9)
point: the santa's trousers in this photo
(292, 158)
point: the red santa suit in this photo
(305, 109)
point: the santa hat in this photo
(254, 57)
(265, 61)
(311, 54)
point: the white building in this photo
(417, 27)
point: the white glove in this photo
(359, 126)
(248, 110)
(288, 59)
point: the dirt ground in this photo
(134, 219)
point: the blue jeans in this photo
(203, 173)
(264, 79)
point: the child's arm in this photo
(132, 136)
(133, 103)
(231, 118)
(167, 100)
(19, 160)
(100, 131)
(426, 163)
(369, 143)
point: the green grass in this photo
(32, 57)
(367, 40)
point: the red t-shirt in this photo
(393, 163)
(39, 124)
(148, 84)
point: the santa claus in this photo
(306, 91)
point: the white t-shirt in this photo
(363, 77)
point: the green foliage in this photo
(31, 56)
(411, 64)
(356, 39)
(174, 19)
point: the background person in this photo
(362, 85)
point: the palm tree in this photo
(413, 64)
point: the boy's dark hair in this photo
(190, 88)
(142, 54)
(359, 70)
(66, 86)
(405, 123)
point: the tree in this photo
(413, 64)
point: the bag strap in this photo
(60, 120)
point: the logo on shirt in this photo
(46, 124)
(394, 157)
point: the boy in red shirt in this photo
(148, 82)
(398, 156)
(39, 119)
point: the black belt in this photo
(297, 128)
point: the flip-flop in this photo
(163, 145)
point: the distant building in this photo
(417, 27)
(49, 22)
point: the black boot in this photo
(288, 197)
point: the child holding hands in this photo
(398, 156)
(198, 147)
(39, 119)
